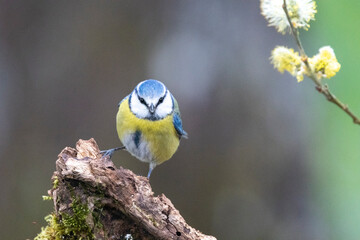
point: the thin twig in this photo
(324, 89)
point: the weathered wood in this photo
(120, 204)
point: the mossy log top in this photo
(94, 199)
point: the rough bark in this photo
(118, 204)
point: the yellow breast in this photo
(149, 141)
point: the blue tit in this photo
(148, 123)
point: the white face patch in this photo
(163, 106)
(139, 109)
(166, 107)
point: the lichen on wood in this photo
(93, 199)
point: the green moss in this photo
(46, 197)
(68, 226)
(51, 231)
(76, 224)
(55, 182)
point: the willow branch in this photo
(324, 89)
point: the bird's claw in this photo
(110, 152)
(107, 153)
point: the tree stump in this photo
(93, 199)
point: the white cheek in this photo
(139, 109)
(166, 107)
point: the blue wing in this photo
(178, 126)
(177, 121)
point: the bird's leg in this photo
(111, 151)
(151, 168)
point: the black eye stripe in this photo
(141, 100)
(162, 98)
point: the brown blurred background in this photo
(246, 171)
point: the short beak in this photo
(152, 108)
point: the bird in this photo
(148, 124)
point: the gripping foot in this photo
(111, 151)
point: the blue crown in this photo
(151, 88)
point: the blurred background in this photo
(266, 158)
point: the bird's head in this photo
(151, 100)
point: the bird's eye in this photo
(142, 100)
(161, 99)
